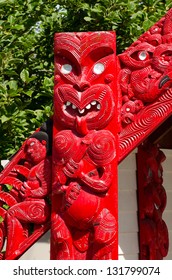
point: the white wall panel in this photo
(40, 250)
(167, 183)
(128, 221)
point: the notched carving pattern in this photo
(154, 241)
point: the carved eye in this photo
(98, 68)
(66, 69)
(32, 143)
(143, 55)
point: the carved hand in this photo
(71, 193)
(73, 169)
(25, 190)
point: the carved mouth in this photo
(93, 107)
(164, 80)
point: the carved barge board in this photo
(84, 196)
(145, 82)
(144, 124)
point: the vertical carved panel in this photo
(84, 198)
(152, 199)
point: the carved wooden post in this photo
(85, 126)
(152, 200)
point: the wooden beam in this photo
(163, 135)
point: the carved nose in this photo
(81, 86)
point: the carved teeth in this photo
(98, 106)
(93, 103)
(81, 111)
(84, 110)
(88, 106)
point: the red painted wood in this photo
(145, 81)
(25, 185)
(84, 196)
(104, 107)
(153, 232)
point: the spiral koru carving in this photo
(148, 119)
(65, 144)
(36, 211)
(102, 149)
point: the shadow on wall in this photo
(40, 250)
(128, 221)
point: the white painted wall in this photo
(167, 183)
(128, 222)
(4, 162)
(40, 250)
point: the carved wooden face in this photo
(150, 69)
(35, 150)
(147, 63)
(84, 79)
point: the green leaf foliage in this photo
(1, 219)
(27, 28)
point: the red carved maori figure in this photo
(154, 241)
(23, 207)
(145, 82)
(93, 95)
(84, 208)
(146, 68)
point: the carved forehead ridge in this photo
(80, 44)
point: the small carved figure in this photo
(31, 183)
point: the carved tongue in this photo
(81, 125)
